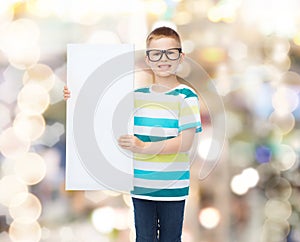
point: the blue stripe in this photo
(159, 175)
(144, 90)
(199, 129)
(156, 122)
(185, 91)
(178, 192)
(189, 125)
(148, 138)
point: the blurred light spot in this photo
(241, 153)
(209, 217)
(127, 200)
(33, 99)
(165, 23)
(6, 13)
(278, 188)
(285, 100)
(7, 167)
(56, 91)
(41, 8)
(30, 168)
(263, 154)
(103, 37)
(156, 7)
(111, 193)
(223, 80)
(121, 219)
(233, 124)
(12, 84)
(285, 158)
(29, 127)
(251, 176)
(51, 134)
(40, 74)
(5, 118)
(291, 79)
(296, 38)
(239, 185)
(95, 196)
(52, 160)
(284, 122)
(214, 14)
(66, 233)
(188, 46)
(275, 230)
(212, 54)
(209, 149)
(25, 230)
(29, 208)
(11, 145)
(20, 43)
(184, 70)
(24, 58)
(182, 17)
(278, 210)
(103, 219)
(10, 186)
(238, 51)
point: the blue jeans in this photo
(158, 220)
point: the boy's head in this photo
(163, 32)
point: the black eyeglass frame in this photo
(162, 53)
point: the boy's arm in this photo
(180, 143)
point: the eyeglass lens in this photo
(156, 55)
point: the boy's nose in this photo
(164, 56)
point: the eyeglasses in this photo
(171, 54)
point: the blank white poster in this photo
(100, 78)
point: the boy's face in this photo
(165, 66)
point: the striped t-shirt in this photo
(160, 116)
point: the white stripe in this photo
(155, 97)
(189, 119)
(191, 101)
(160, 184)
(156, 113)
(161, 166)
(159, 198)
(155, 131)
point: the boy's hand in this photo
(132, 143)
(67, 93)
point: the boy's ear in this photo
(182, 56)
(147, 61)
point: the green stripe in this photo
(181, 157)
(189, 110)
(160, 175)
(156, 105)
(178, 192)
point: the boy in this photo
(166, 119)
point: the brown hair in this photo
(163, 32)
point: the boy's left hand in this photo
(132, 143)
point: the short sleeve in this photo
(189, 115)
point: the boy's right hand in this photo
(67, 93)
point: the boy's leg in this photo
(145, 218)
(170, 215)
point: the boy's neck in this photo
(169, 82)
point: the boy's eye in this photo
(156, 53)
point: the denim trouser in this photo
(158, 220)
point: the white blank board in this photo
(101, 79)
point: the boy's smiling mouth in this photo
(164, 66)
